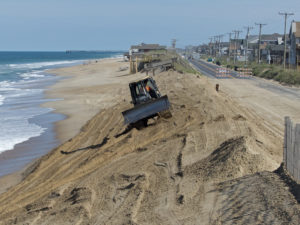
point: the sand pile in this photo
(171, 172)
(231, 160)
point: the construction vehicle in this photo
(148, 103)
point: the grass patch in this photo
(277, 73)
(183, 66)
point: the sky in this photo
(58, 25)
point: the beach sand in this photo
(86, 90)
(211, 163)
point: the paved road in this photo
(268, 99)
(211, 70)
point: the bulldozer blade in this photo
(146, 110)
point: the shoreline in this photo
(78, 96)
(69, 107)
(24, 152)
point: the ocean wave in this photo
(42, 64)
(27, 76)
(16, 128)
(5, 83)
(16, 91)
(11, 136)
(1, 99)
(118, 57)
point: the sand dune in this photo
(202, 166)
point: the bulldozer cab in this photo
(143, 90)
(148, 103)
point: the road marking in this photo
(207, 67)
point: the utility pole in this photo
(174, 43)
(285, 14)
(221, 40)
(210, 46)
(247, 43)
(229, 44)
(219, 43)
(236, 37)
(215, 45)
(259, 39)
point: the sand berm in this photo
(211, 163)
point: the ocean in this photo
(22, 83)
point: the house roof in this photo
(148, 47)
(271, 37)
(265, 37)
(252, 38)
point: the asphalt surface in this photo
(214, 71)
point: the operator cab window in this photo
(139, 90)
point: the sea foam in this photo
(16, 126)
(16, 132)
(42, 64)
(27, 76)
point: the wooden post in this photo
(289, 146)
(136, 64)
(130, 60)
(297, 151)
(286, 121)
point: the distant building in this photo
(271, 46)
(294, 36)
(142, 48)
(274, 53)
(204, 49)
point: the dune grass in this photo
(277, 73)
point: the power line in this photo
(285, 14)
(259, 39)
